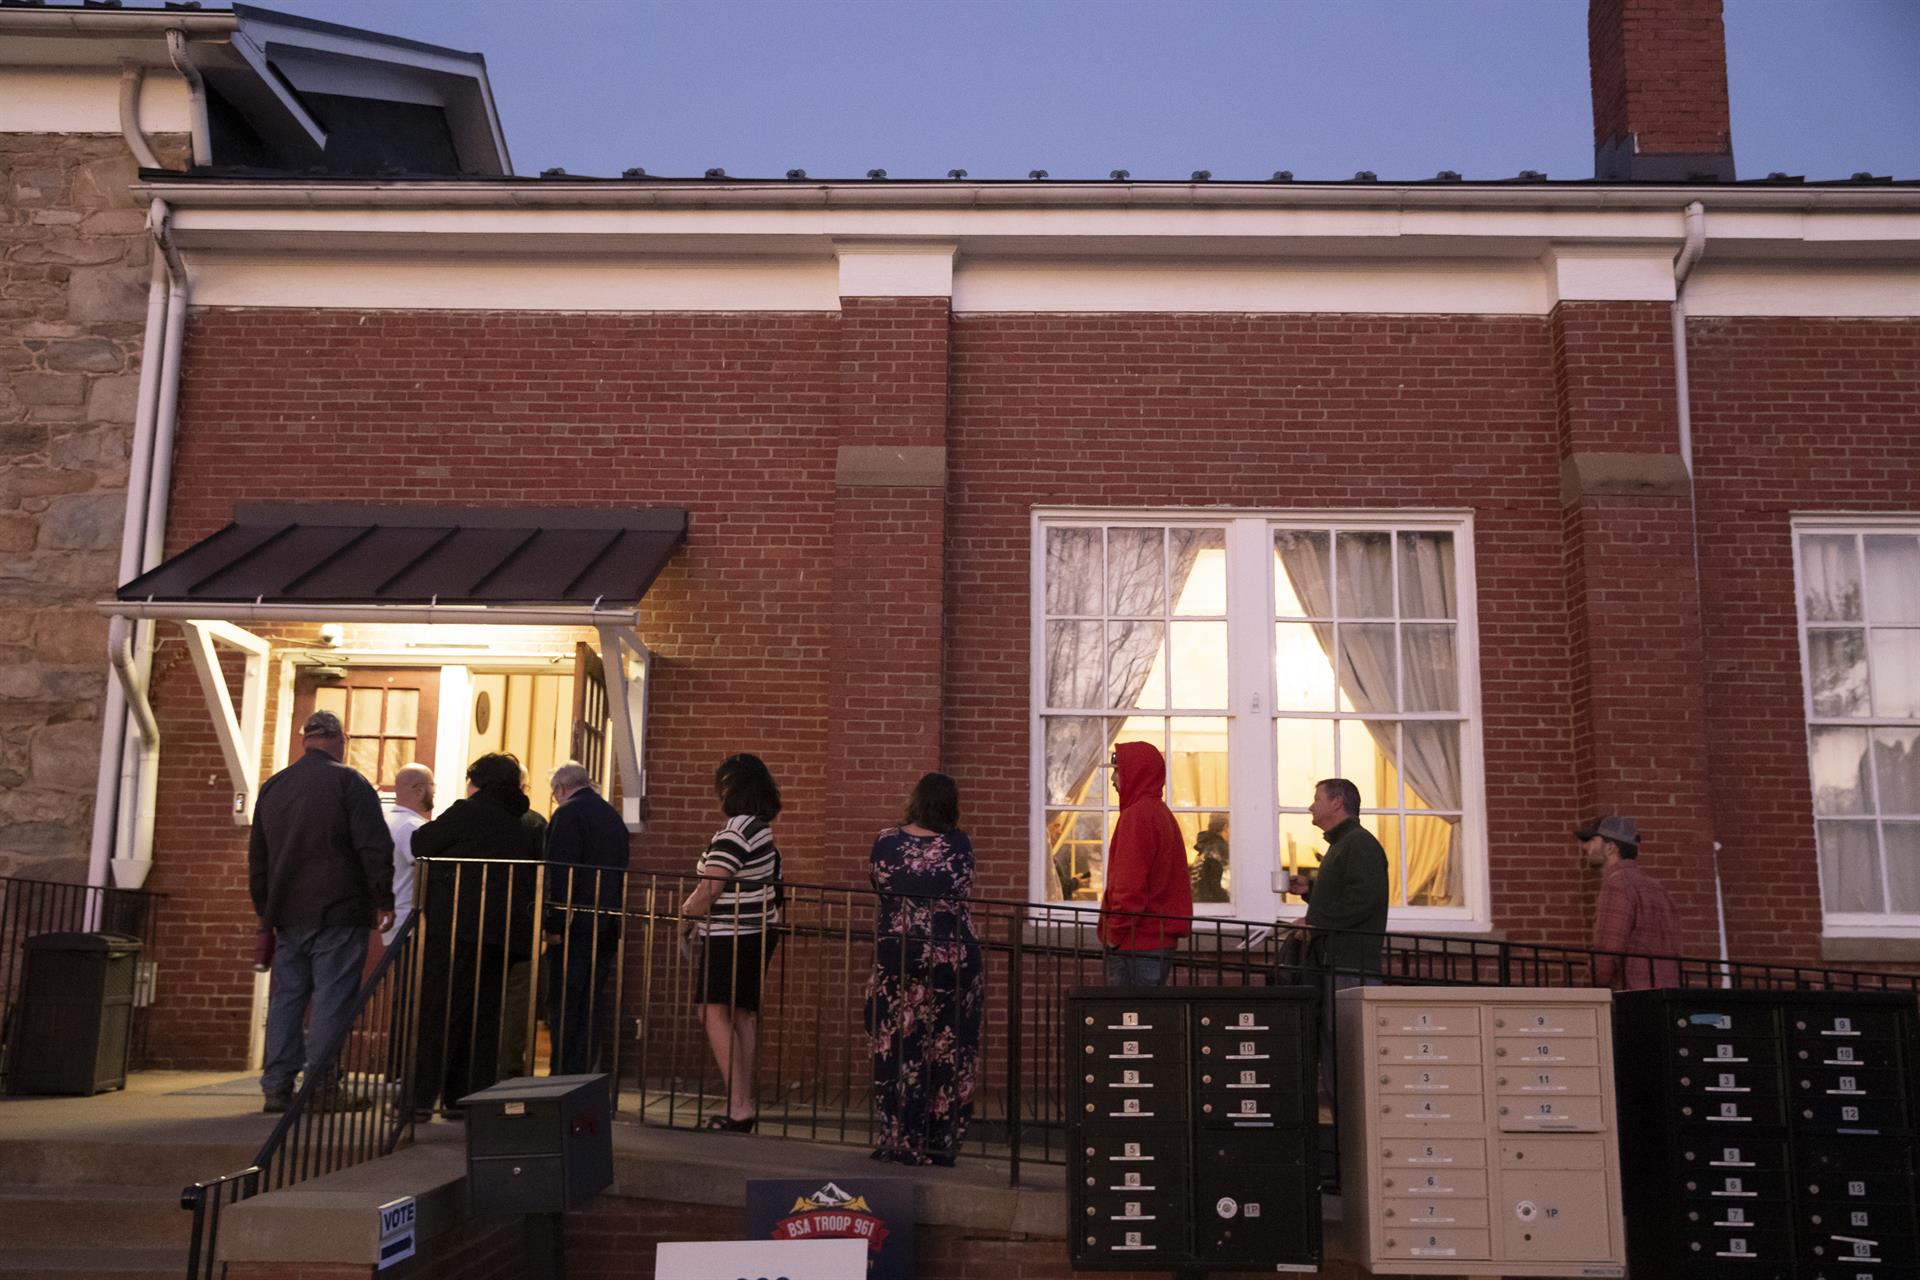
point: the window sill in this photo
(1892, 948)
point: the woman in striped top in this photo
(734, 909)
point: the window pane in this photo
(331, 698)
(1302, 673)
(1199, 560)
(1386, 829)
(1367, 667)
(1840, 780)
(1305, 753)
(1831, 569)
(1136, 669)
(1302, 576)
(1073, 571)
(1076, 850)
(1896, 758)
(364, 754)
(1076, 748)
(1432, 679)
(363, 711)
(1367, 751)
(1301, 845)
(1366, 575)
(1896, 672)
(1076, 664)
(1148, 729)
(394, 752)
(1136, 573)
(1837, 665)
(403, 713)
(1197, 764)
(1426, 575)
(1430, 758)
(1893, 577)
(1903, 865)
(1211, 864)
(1849, 873)
(1199, 664)
(1433, 863)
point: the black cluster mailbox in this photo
(1768, 1134)
(1192, 1129)
(538, 1144)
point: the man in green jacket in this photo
(1349, 894)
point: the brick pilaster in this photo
(1639, 671)
(888, 625)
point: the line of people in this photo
(326, 866)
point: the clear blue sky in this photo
(1158, 87)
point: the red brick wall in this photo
(1815, 416)
(1659, 70)
(738, 418)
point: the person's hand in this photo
(1298, 884)
(386, 921)
(553, 938)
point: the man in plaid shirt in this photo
(1634, 930)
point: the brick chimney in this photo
(1659, 90)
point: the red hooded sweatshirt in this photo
(1147, 861)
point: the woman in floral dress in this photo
(928, 988)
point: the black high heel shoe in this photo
(723, 1123)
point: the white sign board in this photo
(762, 1260)
(397, 1218)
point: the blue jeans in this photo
(1137, 968)
(311, 967)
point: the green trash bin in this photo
(75, 1024)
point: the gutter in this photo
(1691, 250)
(196, 95)
(216, 192)
(125, 788)
(261, 613)
(132, 74)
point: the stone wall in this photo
(73, 285)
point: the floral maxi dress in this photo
(925, 997)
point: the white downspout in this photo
(131, 75)
(113, 746)
(196, 96)
(1694, 245)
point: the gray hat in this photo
(1614, 827)
(322, 724)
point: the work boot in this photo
(277, 1102)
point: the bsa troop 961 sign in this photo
(1191, 1124)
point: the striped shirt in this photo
(744, 851)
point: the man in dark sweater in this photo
(1346, 908)
(586, 877)
(320, 870)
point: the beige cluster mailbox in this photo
(1477, 1132)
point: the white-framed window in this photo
(1261, 652)
(1858, 581)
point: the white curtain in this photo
(1426, 753)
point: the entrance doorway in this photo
(391, 715)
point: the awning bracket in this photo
(241, 734)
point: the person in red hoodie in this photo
(1149, 893)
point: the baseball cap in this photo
(1614, 827)
(322, 724)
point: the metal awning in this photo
(328, 562)
(515, 566)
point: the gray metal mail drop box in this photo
(538, 1144)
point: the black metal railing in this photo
(351, 1106)
(30, 907)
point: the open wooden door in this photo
(591, 717)
(390, 715)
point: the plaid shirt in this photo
(1634, 917)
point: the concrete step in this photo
(95, 1264)
(41, 1216)
(37, 1162)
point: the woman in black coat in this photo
(478, 921)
